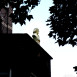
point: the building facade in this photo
(24, 57)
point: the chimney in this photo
(6, 25)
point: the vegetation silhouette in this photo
(63, 22)
(75, 69)
(21, 9)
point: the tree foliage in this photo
(63, 22)
(21, 9)
(75, 69)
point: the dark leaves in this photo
(22, 9)
(29, 17)
(75, 68)
(63, 21)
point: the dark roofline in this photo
(41, 48)
(23, 40)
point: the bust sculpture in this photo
(36, 35)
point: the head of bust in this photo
(36, 30)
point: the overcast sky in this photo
(64, 58)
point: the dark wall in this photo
(20, 53)
(45, 68)
(35, 68)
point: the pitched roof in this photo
(21, 45)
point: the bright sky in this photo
(64, 58)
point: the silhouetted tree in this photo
(75, 69)
(63, 22)
(21, 9)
